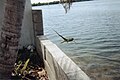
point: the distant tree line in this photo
(39, 4)
(55, 2)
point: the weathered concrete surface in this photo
(27, 35)
(37, 22)
(59, 63)
(54, 71)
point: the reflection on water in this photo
(96, 27)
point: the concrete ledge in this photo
(61, 66)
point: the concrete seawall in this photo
(59, 65)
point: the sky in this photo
(42, 1)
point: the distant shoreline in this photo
(54, 2)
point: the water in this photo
(95, 25)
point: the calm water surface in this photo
(95, 25)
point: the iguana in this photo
(65, 39)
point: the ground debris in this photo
(27, 67)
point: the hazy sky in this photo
(36, 1)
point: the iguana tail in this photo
(61, 36)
